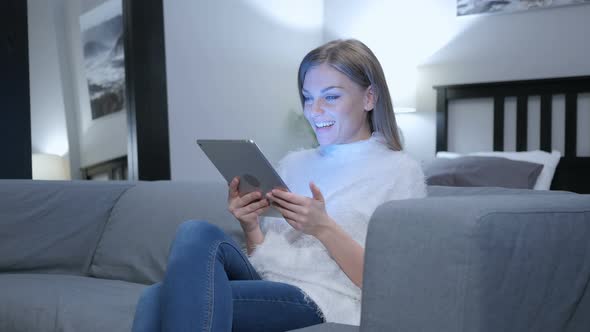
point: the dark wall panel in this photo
(145, 70)
(15, 110)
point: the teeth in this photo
(324, 124)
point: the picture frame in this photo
(472, 7)
(104, 57)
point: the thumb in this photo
(317, 194)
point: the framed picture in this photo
(104, 57)
(469, 7)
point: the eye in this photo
(307, 99)
(332, 97)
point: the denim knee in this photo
(202, 228)
(198, 233)
(151, 293)
(147, 311)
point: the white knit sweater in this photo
(354, 179)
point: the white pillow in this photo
(548, 160)
(448, 155)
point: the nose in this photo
(316, 108)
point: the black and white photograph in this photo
(469, 7)
(104, 57)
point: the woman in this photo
(307, 267)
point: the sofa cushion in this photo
(53, 302)
(53, 226)
(136, 240)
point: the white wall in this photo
(48, 126)
(232, 65)
(445, 49)
(60, 108)
(527, 45)
(232, 73)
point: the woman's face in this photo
(335, 106)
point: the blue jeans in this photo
(211, 286)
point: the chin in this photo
(326, 142)
(329, 138)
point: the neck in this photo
(354, 148)
(364, 134)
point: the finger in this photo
(236, 203)
(285, 204)
(233, 188)
(293, 224)
(315, 191)
(287, 214)
(289, 196)
(248, 209)
(262, 210)
(256, 205)
(250, 197)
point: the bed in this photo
(573, 171)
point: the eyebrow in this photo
(325, 89)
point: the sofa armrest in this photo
(479, 263)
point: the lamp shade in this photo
(50, 167)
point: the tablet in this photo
(243, 158)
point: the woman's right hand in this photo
(246, 208)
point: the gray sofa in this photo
(75, 256)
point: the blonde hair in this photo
(355, 60)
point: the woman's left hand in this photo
(305, 214)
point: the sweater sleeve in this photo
(357, 201)
(410, 183)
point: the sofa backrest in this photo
(117, 230)
(433, 191)
(53, 226)
(135, 243)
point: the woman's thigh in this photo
(260, 305)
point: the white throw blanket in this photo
(354, 179)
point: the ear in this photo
(370, 99)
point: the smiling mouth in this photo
(324, 124)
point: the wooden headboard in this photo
(573, 172)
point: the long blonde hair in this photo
(355, 60)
